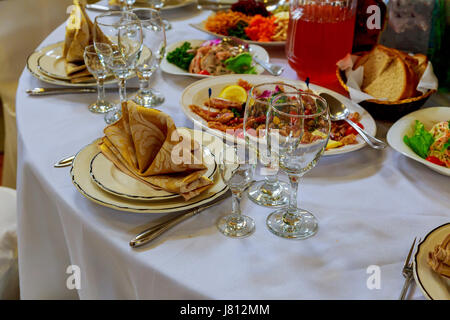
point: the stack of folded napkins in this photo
(145, 144)
(439, 259)
(79, 34)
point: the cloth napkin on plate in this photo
(145, 144)
(79, 34)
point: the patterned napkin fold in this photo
(79, 34)
(145, 144)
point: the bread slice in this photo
(374, 63)
(392, 83)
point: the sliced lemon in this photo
(234, 93)
(333, 144)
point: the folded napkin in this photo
(79, 34)
(145, 144)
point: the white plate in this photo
(197, 93)
(35, 70)
(53, 64)
(82, 180)
(405, 126)
(106, 175)
(168, 67)
(201, 26)
(432, 285)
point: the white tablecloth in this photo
(370, 205)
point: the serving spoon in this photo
(243, 46)
(338, 111)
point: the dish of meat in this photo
(194, 67)
(216, 115)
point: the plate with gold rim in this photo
(432, 285)
(34, 68)
(88, 188)
(109, 178)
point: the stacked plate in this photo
(96, 178)
(48, 64)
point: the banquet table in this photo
(370, 205)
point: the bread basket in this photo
(388, 110)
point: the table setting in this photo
(196, 150)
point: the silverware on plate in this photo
(97, 7)
(407, 271)
(49, 91)
(338, 111)
(65, 162)
(155, 231)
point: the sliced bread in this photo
(392, 82)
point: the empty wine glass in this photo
(269, 192)
(298, 127)
(122, 31)
(154, 46)
(157, 5)
(98, 70)
(237, 173)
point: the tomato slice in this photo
(435, 160)
(205, 72)
(351, 130)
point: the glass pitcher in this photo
(320, 33)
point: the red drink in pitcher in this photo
(319, 35)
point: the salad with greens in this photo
(431, 145)
(213, 57)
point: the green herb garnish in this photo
(420, 141)
(241, 63)
(180, 57)
(238, 30)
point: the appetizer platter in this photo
(249, 21)
(423, 136)
(432, 264)
(224, 109)
(201, 59)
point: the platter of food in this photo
(201, 59)
(432, 264)
(249, 21)
(224, 110)
(424, 136)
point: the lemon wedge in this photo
(333, 144)
(234, 93)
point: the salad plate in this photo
(106, 175)
(81, 178)
(197, 94)
(171, 68)
(432, 285)
(405, 126)
(201, 27)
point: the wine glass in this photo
(154, 46)
(298, 127)
(126, 4)
(122, 31)
(157, 5)
(269, 192)
(98, 70)
(237, 173)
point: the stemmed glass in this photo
(157, 5)
(98, 70)
(237, 172)
(122, 31)
(126, 4)
(269, 192)
(298, 127)
(154, 46)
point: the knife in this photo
(49, 91)
(155, 231)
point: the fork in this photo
(407, 271)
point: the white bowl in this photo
(405, 126)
